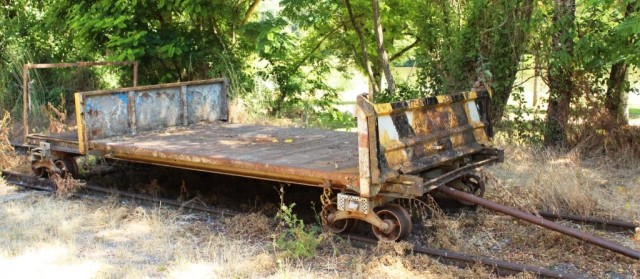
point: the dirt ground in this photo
(42, 235)
(46, 236)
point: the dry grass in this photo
(504, 238)
(42, 234)
(6, 150)
(66, 186)
(543, 179)
(240, 112)
(57, 118)
(9, 160)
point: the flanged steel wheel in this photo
(399, 222)
(68, 166)
(41, 172)
(337, 226)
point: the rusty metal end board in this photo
(415, 135)
(296, 155)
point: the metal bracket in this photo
(404, 185)
(370, 218)
(353, 203)
(42, 152)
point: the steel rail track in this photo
(33, 182)
(502, 268)
(598, 223)
(609, 225)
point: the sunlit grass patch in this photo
(634, 113)
(547, 180)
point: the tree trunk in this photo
(250, 11)
(617, 93)
(503, 42)
(561, 85)
(363, 48)
(384, 58)
(536, 73)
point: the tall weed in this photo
(296, 240)
(6, 149)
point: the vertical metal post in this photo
(183, 105)
(224, 99)
(25, 101)
(364, 165)
(131, 111)
(80, 120)
(135, 73)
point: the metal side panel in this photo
(106, 115)
(128, 111)
(157, 108)
(206, 103)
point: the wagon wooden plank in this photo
(308, 156)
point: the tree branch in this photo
(382, 52)
(250, 11)
(363, 49)
(404, 50)
(316, 47)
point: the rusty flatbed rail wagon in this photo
(401, 150)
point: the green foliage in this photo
(29, 35)
(295, 63)
(404, 91)
(296, 241)
(332, 119)
(280, 59)
(522, 125)
(480, 40)
(332, 19)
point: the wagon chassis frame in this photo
(404, 149)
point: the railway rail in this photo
(502, 268)
(33, 182)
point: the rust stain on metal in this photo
(312, 156)
(119, 112)
(364, 160)
(416, 134)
